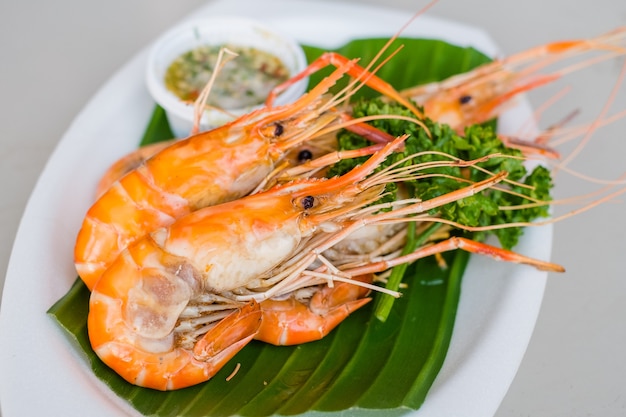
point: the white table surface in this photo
(55, 55)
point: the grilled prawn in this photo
(152, 312)
(209, 168)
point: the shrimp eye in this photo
(307, 202)
(304, 155)
(465, 99)
(278, 129)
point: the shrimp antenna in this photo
(598, 120)
(201, 101)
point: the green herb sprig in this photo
(482, 209)
(479, 210)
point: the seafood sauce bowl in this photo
(181, 62)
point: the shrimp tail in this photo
(291, 322)
(229, 336)
(175, 368)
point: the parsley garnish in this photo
(483, 209)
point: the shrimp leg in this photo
(290, 321)
(455, 243)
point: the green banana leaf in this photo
(364, 364)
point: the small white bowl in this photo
(217, 31)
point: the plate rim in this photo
(70, 145)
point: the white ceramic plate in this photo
(498, 306)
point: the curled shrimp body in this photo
(139, 311)
(137, 341)
(481, 94)
(205, 169)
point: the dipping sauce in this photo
(244, 81)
